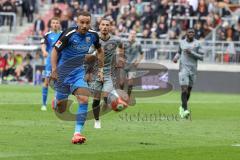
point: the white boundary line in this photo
(138, 102)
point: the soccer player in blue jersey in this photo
(48, 42)
(74, 43)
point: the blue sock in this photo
(81, 117)
(44, 95)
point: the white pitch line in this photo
(235, 145)
(138, 102)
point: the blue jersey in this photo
(72, 48)
(49, 40)
(72, 44)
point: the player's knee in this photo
(96, 103)
(105, 99)
(184, 90)
(82, 99)
(121, 85)
(61, 105)
(130, 82)
(130, 87)
(46, 83)
(189, 89)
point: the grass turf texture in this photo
(27, 133)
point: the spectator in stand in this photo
(131, 19)
(28, 9)
(202, 10)
(188, 9)
(65, 21)
(146, 33)
(221, 35)
(209, 24)
(138, 27)
(99, 6)
(9, 7)
(236, 31)
(122, 25)
(178, 9)
(213, 6)
(57, 12)
(162, 30)
(24, 72)
(38, 65)
(75, 9)
(19, 59)
(194, 4)
(174, 30)
(2, 66)
(18, 4)
(114, 5)
(38, 60)
(10, 67)
(225, 11)
(139, 7)
(199, 31)
(154, 27)
(229, 33)
(90, 5)
(1, 10)
(39, 26)
(147, 16)
(162, 8)
(85, 8)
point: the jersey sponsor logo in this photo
(58, 44)
(78, 47)
(110, 47)
(88, 39)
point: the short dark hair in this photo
(191, 30)
(84, 13)
(55, 18)
(105, 19)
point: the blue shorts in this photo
(68, 83)
(61, 96)
(79, 83)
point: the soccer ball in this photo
(117, 100)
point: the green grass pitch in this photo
(26, 133)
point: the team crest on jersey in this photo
(58, 44)
(88, 39)
(110, 47)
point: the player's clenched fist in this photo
(89, 58)
(54, 75)
(100, 74)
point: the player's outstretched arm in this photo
(178, 54)
(100, 57)
(140, 57)
(54, 58)
(120, 56)
(44, 50)
(198, 54)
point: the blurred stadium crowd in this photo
(151, 19)
(155, 19)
